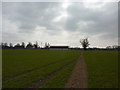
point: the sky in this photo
(60, 23)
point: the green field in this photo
(22, 68)
(102, 69)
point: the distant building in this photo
(59, 47)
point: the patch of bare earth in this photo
(78, 78)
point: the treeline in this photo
(23, 46)
(30, 45)
(114, 47)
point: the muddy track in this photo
(78, 78)
(29, 71)
(40, 82)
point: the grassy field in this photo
(59, 80)
(102, 69)
(21, 68)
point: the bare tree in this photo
(47, 45)
(23, 45)
(29, 45)
(11, 45)
(36, 45)
(84, 43)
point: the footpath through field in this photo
(78, 77)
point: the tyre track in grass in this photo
(29, 71)
(78, 78)
(40, 82)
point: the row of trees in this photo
(22, 45)
(84, 42)
(113, 47)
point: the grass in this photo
(102, 69)
(59, 80)
(17, 62)
(21, 68)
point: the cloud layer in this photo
(61, 23)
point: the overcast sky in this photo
(60, 23)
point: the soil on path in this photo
(78, 78)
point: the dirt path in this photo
(78, 78)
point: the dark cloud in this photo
(93, 21)
(54, 21)
(30, 15)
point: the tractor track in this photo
(28, 71)
(40, 82)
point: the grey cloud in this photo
(104, 19)
(81, 20)
(30, 15)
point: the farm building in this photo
(59, 47)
